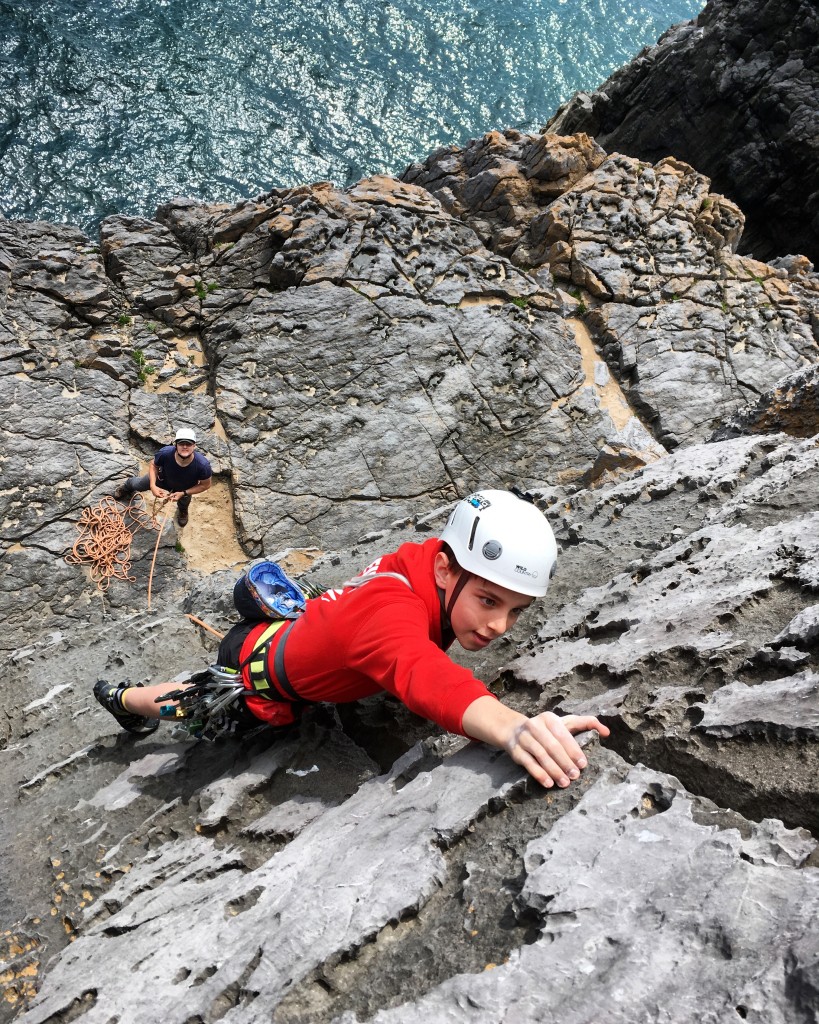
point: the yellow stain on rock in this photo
(610, 395)
(209, 539)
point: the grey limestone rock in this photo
(502, 181)
(691, 331)
(784, 707)
(791, 405)
(691, 871)
(683, 945)
(675, 651)
(346, 326)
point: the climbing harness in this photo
(203, 708)
(275, 684)
(105, 538)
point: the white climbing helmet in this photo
(504, 539)
(185, 434)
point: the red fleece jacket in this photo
(353, 643)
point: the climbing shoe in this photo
(123, 492)
(110, 696)
(182, 516)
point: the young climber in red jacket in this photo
(388, 629)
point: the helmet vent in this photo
(472, 534)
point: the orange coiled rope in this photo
(105, 538)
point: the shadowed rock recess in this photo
(528, 309)
(736, 93)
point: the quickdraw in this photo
(201, 706)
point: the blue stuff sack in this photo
(276, 595)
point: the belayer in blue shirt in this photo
(177, 472)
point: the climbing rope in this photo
(105, 538)
(156, 549)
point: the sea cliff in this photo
(533, 309)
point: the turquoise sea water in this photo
(113, 106)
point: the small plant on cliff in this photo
(581, 309)
(125, 320)
(144, 368)
(707, 203)
(205, 288)
(520, 303)
(178, 548)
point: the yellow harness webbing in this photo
(257, 663)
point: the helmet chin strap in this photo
(463, 579)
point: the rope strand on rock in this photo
(204, 625)
(156, 548)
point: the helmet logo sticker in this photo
(533, 574)
(478, 501)
(492, 550)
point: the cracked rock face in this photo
(345, 326)
(266, 948)
(692, 331)
(708, 636)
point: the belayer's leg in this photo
(114, 699)
(133, 483)
(182, 507)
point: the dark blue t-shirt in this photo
(173, 477)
